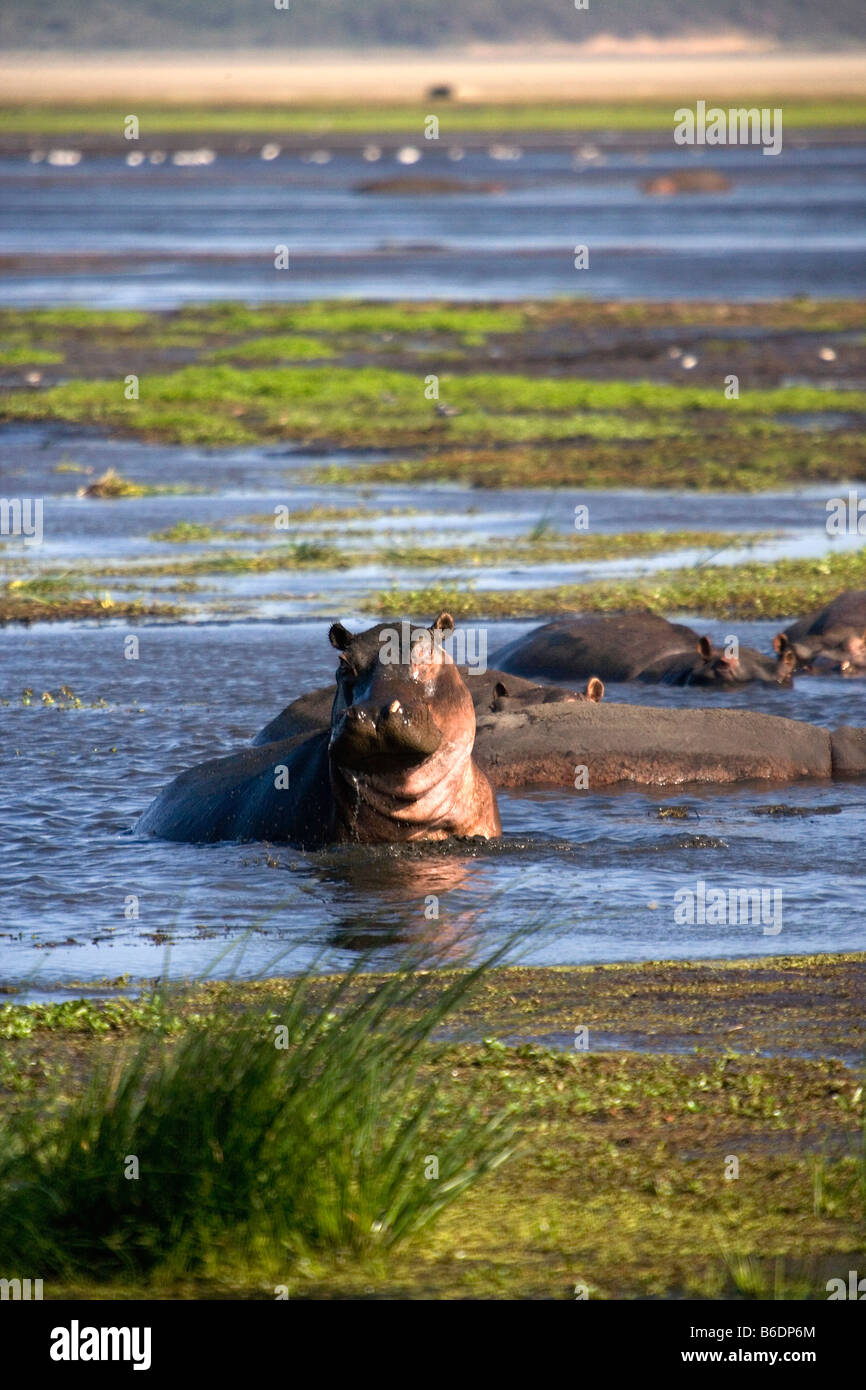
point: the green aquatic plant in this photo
(285, 1129)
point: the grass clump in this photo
(269, 1131)
(111, 485)
(24, 356)
(273, 349)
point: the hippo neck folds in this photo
(402, 733)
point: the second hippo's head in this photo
(716, 667)
(399, 699)
(841, 653)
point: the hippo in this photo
(506, 700)
(395, 763)
(831, 641)
(636, 646)
(492, 692)
(585, 747)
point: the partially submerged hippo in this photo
(585, 747)
(832, 640)
(636, 646)
(506, 699)
(395, 763)
(492, 692)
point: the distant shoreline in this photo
(376, 78)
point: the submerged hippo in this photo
(506, 699)
(492, 692)
(636, 646)
(395, 763)
(832, 640)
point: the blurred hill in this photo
(219, 24)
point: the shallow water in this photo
(252, 481)
(585, 876)
(790, 224)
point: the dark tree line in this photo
(428, 23)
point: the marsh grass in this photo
(766, 1281)
(541, 546)
(750, 590)
(382, 118)
(719, 461)
(372, 405)
(246, 1147)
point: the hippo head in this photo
(840, 654)
(398, 692)
(504, 701)
(717, 668)
(402, 733)
(854, 649)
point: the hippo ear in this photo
(594, 689)
(705, 648)
(339, 637)
(444, 623)
(780, 643)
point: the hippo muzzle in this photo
(373, 737)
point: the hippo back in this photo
(837, 620)
(613, 646)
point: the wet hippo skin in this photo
(395, 763)
(545, 744)
(848, 747)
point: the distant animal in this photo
(686, 181)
